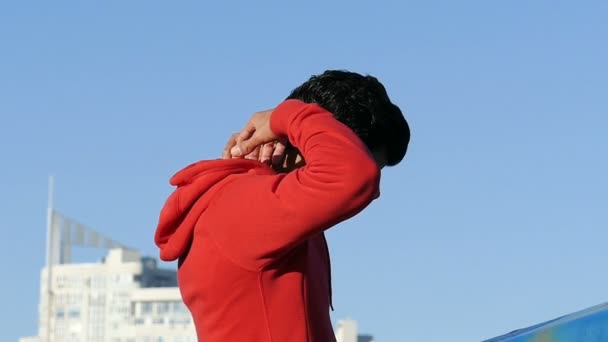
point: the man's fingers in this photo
(245, 147)
(247, 132)
(229, 145)
(257, 132)
(255, 154)
(278, 155)
(266, 153)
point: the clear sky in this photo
(496, 220)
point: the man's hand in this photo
(256, 141)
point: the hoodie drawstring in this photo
(331, 304)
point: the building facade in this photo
(124, 298)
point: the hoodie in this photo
(253, 260)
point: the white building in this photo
(347, 331)
(125, 298)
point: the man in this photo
(248, 228)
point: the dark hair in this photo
(361, 103)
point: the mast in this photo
(49, 258)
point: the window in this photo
(74, 313)
(59, 314)
(163, 307)
(146, 308)
(179, 307)
(158, 321)
(174, 321)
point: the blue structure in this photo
(590, 325)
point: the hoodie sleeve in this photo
(264, 216)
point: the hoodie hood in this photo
(192, 197)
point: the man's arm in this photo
(265, 216)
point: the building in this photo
(347, 331)
(124, 298)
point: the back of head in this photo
(361, 103)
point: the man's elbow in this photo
(366, 181)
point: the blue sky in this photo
(496, 220)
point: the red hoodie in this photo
(253, 260)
